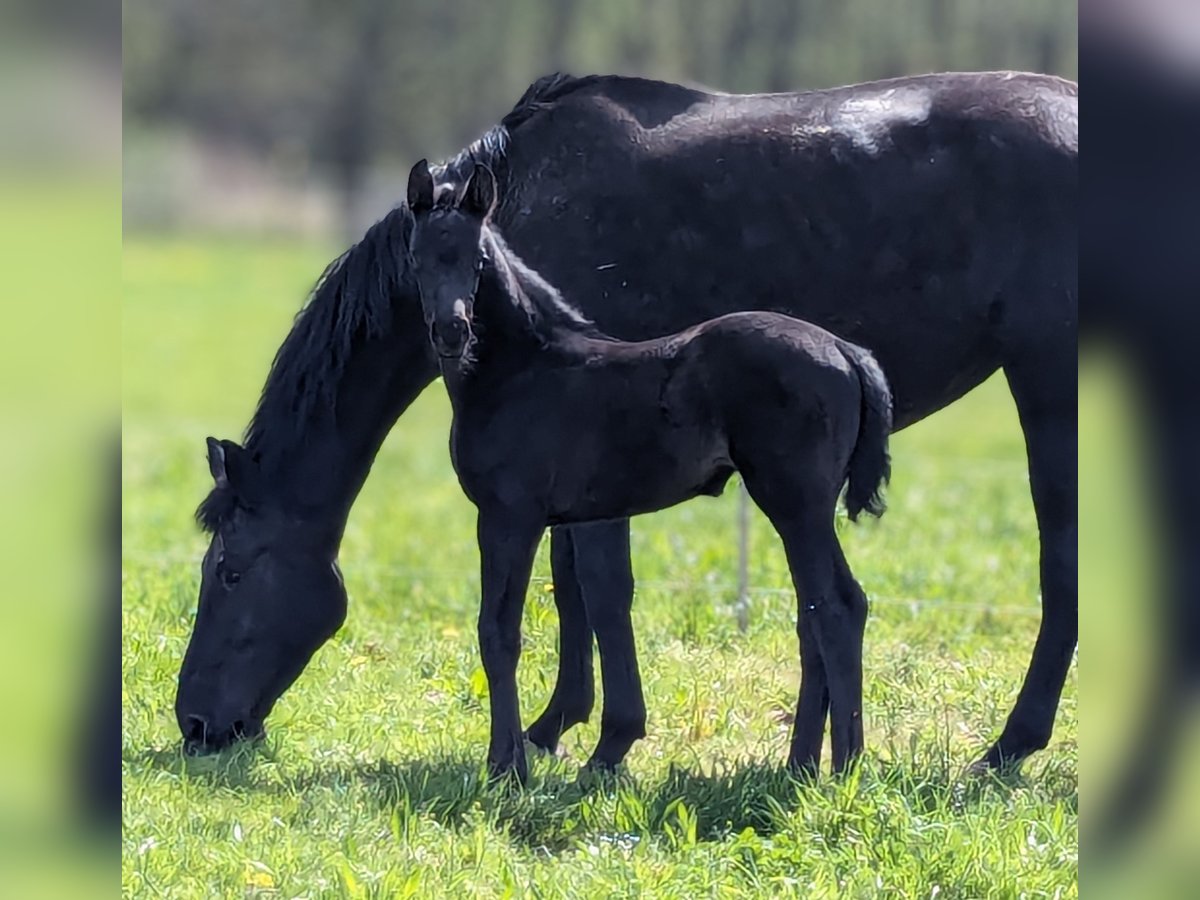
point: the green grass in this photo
(370, 782)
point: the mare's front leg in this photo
(606, 580)
(574, 691)
(507, 544)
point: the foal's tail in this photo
(870, 465)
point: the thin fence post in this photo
(743, 580)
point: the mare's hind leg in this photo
(1045, 390)
(603, 567)
(574, 691)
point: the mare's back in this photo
(922, 200)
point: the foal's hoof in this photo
(559, 751)
(543, 737)
(513, 771)
(806, 770)
(1003, 762)
(978, 768)
(598, 774)
(506, 777)
(986, 766)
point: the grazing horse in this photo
(930, 219)
(556, 423)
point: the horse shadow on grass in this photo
(562, 806)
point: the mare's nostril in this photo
(195, 729)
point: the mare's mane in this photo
(352, 300)
(491, 147)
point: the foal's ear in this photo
(479, 197)
(227, 462)
(420, 188)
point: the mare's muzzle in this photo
(209, 734)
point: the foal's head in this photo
(446, 254)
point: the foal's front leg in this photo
(507, 544)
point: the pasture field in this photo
(370, 784)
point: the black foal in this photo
(557, 423)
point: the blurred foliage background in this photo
(304, 117)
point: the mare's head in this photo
(446, 254)
(270, 596)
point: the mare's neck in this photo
(316, 468)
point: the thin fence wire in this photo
(742, 606)
(707, 586)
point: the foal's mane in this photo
(542, 304)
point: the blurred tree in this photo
(341, 86)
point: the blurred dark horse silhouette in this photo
(557, 423)
(1141, 270)
(930, 219)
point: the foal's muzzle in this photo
(451, 336)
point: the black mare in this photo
(556, 423)
(930, 219)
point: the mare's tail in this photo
(870, 465)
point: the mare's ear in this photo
(420, 188)
(479, 197)
(228, 463)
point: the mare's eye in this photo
(227, 576)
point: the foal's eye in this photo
(448, 257)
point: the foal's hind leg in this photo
(836, 617)
(574, 691)
(829, 620)
(812, 707)
(854, 608)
